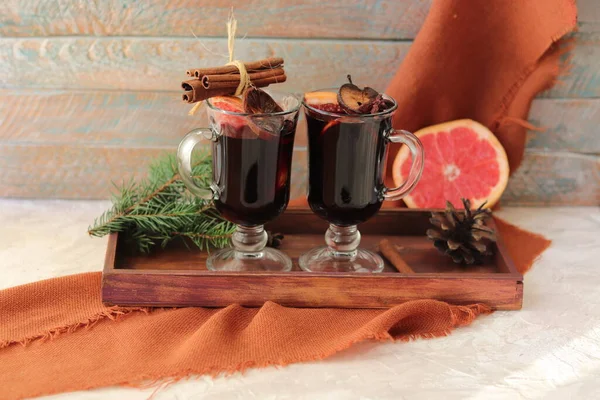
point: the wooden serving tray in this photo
(177, 276)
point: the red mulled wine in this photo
(349, 130)
(252, 173)
(346, 165)
(252, 146)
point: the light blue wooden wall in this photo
(89, 90)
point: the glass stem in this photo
(343, 241)
(249, 241)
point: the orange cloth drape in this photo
(56, 336)
(483, 60)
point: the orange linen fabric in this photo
(56, 336)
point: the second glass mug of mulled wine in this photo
(348, 134)
(252, 146)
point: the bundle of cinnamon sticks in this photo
(224, 80)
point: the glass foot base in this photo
(268, 259)
(322, 259)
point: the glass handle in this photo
(184, 160)
(416, 169)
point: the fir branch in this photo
(163, 177)
(159, 209)
(200, 235)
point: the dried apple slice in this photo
(355, 100)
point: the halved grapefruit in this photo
(462, 159)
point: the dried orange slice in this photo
(230, 125)
(257, 101)
(317, 98)
(227, 103)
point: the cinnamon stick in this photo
(224, 80)
(195, 91)
(267, 63)
(256, 82)
(391, 254)
(188, 96)
(191, 84)
(234, 79)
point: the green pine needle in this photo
(159, 209)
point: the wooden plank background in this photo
(381, 19)
(155, 64)
(89, 91)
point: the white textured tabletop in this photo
(548, 350)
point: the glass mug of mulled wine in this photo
(252, 145)
(348, 133)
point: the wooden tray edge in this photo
(134, 287)
(318, 292)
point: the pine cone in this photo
(464, 237)
(274, 239)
